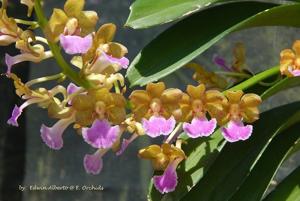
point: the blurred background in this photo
(25, 160)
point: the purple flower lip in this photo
(101, 134)
(158, 125)
(14, 116)
(236, 131)
(167, 182)
(104, 61)
(123, 62)
(17, 111)
(295, 73)
(72, 88)
(200, 127)
(93, 163)
(52, 136)
(73, 44)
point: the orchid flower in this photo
(195, 105)
(166, 158)
(290, 61)
(157, 108)
(239, 108)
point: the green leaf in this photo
(146, 13)
(280, 86)
(288, 189)
(236, 160)
(267, 166)
(185, 40)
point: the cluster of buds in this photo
(101, 113)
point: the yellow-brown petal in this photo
(234, 96)
(150, 152)
(155, 90)
(83, 102)
(116, 114)
(296, 47)
(85, 117)
(196, 92)
(250, 100)
(73, 7)
(239, 53)
(212, 96)
(250, 114)
(116, 50)
(287, 55)
(139, 97)
(106, 33)
(171, 96)
(87, 21)
(56, 24)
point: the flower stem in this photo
(234, 74)
(45, 79)
(27, 22)
(256, 79)
(66, 69)
(174, 133)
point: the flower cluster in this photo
(102, 114)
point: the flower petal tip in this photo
(92, 163)
(158, 125)
(167, 182)
(72, 88)
(200, 127)
(9, 60)
(13, 120)
(51, 139)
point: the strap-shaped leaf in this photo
(147, 13)
(288, 189)
(280, 86)
(210, 167)
(258, 180)
(185, 40)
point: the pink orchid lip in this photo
(17, 111)
(52, 136)
(158, 125)
(167, 182)
(200, 127)
(236, 131)
(103, 61)
(295, 73)
(72, 88)
(73, 44)
(93, 163)
(123, 62)
(101, 134)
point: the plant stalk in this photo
(66, 69)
